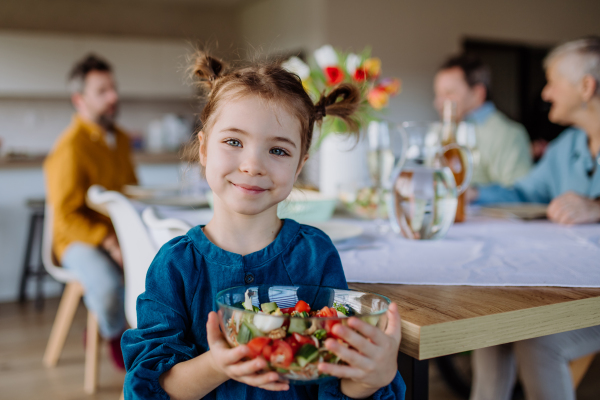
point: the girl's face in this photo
(252, 155)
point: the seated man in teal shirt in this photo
(503, 149)
(568, 176)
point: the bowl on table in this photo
(288, 325)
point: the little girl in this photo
(257, 128)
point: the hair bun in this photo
(207, 69)
(342, 102)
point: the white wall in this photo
(272, 26)
(413, 37)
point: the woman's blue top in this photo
(181, 286)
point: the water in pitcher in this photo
(425, 201)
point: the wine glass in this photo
(467, 138)
(385, 150)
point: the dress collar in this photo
(581, 151)
(481, 114)
(214, 253)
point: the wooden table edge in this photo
(478, 332)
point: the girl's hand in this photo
(372, 357)
(229, 361)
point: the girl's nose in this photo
(253, 164)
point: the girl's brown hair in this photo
(275, 85)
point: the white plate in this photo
(176, 201)
(339, 231)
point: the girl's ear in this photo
(202, 148)
(300, 166)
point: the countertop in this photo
(36, 161)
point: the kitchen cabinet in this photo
(37, 65)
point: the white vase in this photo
(342, 163)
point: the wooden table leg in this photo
(416, 376)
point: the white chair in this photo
(137, 247)
(66, 311)
(163, 230)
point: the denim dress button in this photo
(249, 278)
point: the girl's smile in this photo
(248, 188)
(251, 155)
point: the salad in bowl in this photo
(288, 325)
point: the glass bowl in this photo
(282, 330)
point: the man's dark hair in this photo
(476, 72)
(80, 71)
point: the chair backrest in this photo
(136, 245)
(58, 273)
(163, 230)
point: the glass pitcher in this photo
(423, 199)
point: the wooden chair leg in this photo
(579, 367)
(62, 323)
(90, 381)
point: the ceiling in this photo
(205, 3)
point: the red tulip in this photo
(334, 75)
(360, 74)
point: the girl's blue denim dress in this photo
(181, 286)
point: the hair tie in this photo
(321, 109)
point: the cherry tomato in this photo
(288, 310)
(302, 306)
(257, 345)
(302, 340)
(291, 340)
(326, 312)
(267, 351)
(282, 354)
(329, 327)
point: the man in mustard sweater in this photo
(92, 150)
(503, 144)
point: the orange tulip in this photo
(390, 85)
(373, 67)
(378, 98)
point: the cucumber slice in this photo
(254, 331)
(269, 307)
(306, 354)
(244, 335)
(297, 325)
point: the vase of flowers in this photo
(343, 157)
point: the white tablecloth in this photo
(479, 252)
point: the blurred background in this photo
(147, 42)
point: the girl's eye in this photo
(279, 152)
(233, 142)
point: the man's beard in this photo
(107, 121)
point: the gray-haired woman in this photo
(568, 178)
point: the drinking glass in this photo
(467, 138)
(386, 149)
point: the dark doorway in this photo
(517, 82)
